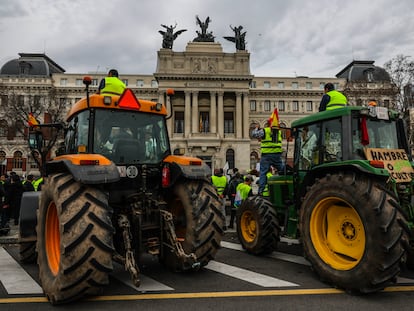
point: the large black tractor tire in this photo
(353, 233)
(410, 258)
(74, 239)
(257, 226)
(27, 252)
(198, 221)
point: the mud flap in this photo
(28, 216)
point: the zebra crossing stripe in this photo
(401, 280)
(247, 276)
(275, 255)
(290, 258)
(147, 284)
(233, 246)
(14, 278)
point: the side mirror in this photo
(35, 140)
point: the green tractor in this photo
(347, 198)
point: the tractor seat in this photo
(128, 150)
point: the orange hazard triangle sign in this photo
(128, 100)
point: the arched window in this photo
(3, 128)
(18, 160)
(284, 135)
(254, 160)
(32, 161)
(3, 163)
(19, 128)
(251, 128)
(230, 158)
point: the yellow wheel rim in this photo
(248, 227)
(52, 238)
(337, 233)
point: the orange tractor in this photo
(114, 191)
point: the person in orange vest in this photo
(111, 85)
(332, 99)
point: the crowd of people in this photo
(236, 189)
(239, 188)
(11, 192)
(233, 189)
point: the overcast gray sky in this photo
(314, 38)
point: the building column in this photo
(246, 110)
(187, 114)
(195, 114)
(220, 114)
(239, 115)
(162, 100)
(213, 113)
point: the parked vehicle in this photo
(113, 192)
(347, 198)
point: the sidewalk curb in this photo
(12, 237)
(9, 239)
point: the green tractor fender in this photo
(361, 166)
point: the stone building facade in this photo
(366, 83)
(217, 101)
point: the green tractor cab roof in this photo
(371, 111)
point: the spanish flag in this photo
(31, 120)
(274, 119)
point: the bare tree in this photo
(401, 71)
(46, 106)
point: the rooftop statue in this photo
(239, 38)
(169, 36)
(204, 36)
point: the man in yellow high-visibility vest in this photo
(111, 85)
(332, 99)
(271, 149)
(219, 181)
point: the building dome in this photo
(364, 71)
(31, 65)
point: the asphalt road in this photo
(235, 280)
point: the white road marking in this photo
(401, 280)
(233, 246)
(296, 259)
(247, 276)
(14, 278)
(275, 255)
(290, 258)
(147, 284)
(289, 241)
